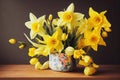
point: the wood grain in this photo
(27, 72)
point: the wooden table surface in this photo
(27, 72)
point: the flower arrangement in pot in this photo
(66, 39)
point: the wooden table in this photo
(27, 72)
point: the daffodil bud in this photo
(89, 71)
(104, 34)
(69, 51)
(33, 61)
(50, 17)
(55, 21)
(64, 36)
(12, 41)
(108, 29)
(21, 46)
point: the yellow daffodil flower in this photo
(31, 52)
(36, 25)
(12, 41)
(54, 42)
(69, 17)
(89, 71)
(78, 53)
(98, 19)
(33, 61)
(93, 39)
(69, 51)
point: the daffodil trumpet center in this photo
(97, 20)
(35, 26)
(94, 39)
(52, 42)
(68, 16)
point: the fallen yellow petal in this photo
(95, 65)
(89, 71)
(38, 65)
(33, 61)
(12, 41)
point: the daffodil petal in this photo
(38, 65)
(92, 12)
(94, 47)
(102, 42)
(28, 24)
(32, 17)
(60, 14)
(70, 8)
(78, 16)
(103, 12)
(106, 23)
(60, 47)
(32, 34)
(41, 19)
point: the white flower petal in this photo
(28, 24)
(32, 34)
(60, 14)
(78, 16)
(60, 22)
(32, 17)
(70, 8)
(41, 19)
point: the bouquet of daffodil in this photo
(71, 34)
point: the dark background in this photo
(14, 13)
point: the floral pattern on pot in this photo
(60, 62)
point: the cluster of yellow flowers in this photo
(71, 33)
